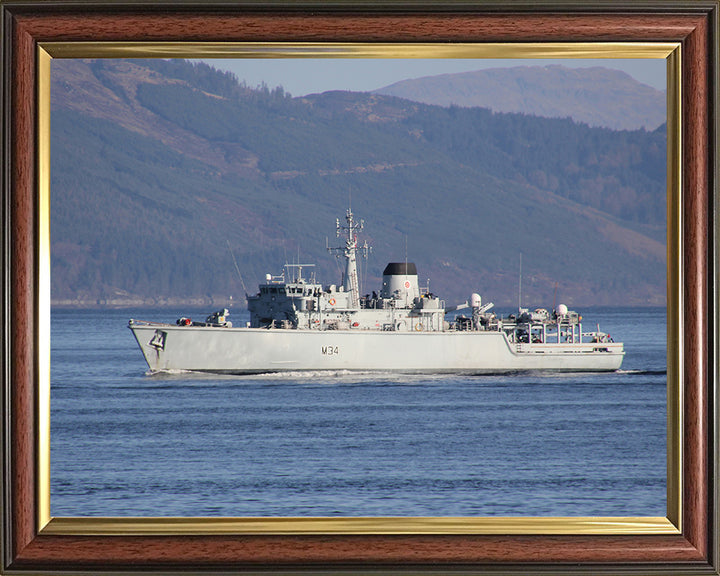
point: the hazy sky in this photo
(301, 76)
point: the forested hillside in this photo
(163, 171)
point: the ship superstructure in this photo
(297, 323)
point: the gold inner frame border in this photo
(671, 524)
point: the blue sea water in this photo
(125, 443)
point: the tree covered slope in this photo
(163, 171)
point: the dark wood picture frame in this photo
(28, 548)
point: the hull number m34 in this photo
(330, 350)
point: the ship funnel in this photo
(400, 282)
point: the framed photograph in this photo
(681, 34)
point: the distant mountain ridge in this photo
(164, 172)
(597, 96)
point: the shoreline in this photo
(99, 303)
(216, 303)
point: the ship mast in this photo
(350, 277)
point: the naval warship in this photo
(298, 324)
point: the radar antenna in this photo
(349, 231)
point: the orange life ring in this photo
(331, 301)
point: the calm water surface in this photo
(125, 443)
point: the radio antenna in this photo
(405, 253)
(237, 268)
(520, 285)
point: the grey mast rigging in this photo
(350, 282)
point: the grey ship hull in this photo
(168, 347)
